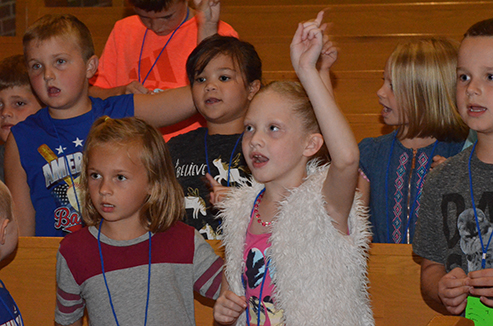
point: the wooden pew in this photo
(366, 31)
(393, 272)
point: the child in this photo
(455, 225)
(9, 312)
(147, 52)
(17, 100)
(44, 153)
(299, 221)
(417, 96)
(132, 206)
(225, 74)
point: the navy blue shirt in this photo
(374, 158)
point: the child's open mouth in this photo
(52, 91)
(212, 101)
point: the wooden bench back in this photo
(393, 272)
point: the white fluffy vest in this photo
(321, 276)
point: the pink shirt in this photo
(256, 258)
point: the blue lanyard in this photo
(162, 50)
(9, 308)
(106, 282)
(230, 158)
(483, 248)
(416, 198)
(263, 278)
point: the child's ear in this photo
(314, 143)
(3, 230)
(92, 66)
(253, 88)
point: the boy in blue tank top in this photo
(44, 153)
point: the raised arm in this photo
(165, 108)
(340, 185)
(208, 12)
(16, 181)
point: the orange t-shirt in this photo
(119, 62)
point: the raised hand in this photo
(307, 43)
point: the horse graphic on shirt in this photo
(223, 167)
(195, 202)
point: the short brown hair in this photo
(481, 28)
(165, 204)
(153, 5)
(242, 53)
(50, 26)
(302, 107)
(5, 202)
(423, 76)
(13, 72)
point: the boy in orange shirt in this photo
(147, 52)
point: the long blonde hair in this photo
(165, 204)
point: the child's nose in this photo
(473, 88)
(48, 74)
(104, 188)
(210, 86)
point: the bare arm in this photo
(208, 12)
(165, 108)
(449, 289)
(16, 181)
(340, 184)
(132, 88)
(364, 189)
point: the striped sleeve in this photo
(208, 269)
(69, 303)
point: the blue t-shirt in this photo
(374, 158)
(9, 312)
(51, 154)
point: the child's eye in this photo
(490, 77)
(121, 177)
(224, 78)
(248, 128)
(61, 61)
(463, 77)
(199, 79)
(274, 128)
(35, 66)
(94, 175)
(19, 103)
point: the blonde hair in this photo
(165, 204)
(423, 76)
(5, 202)
(67, 25)
(302, 107)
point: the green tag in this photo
(478, 312)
